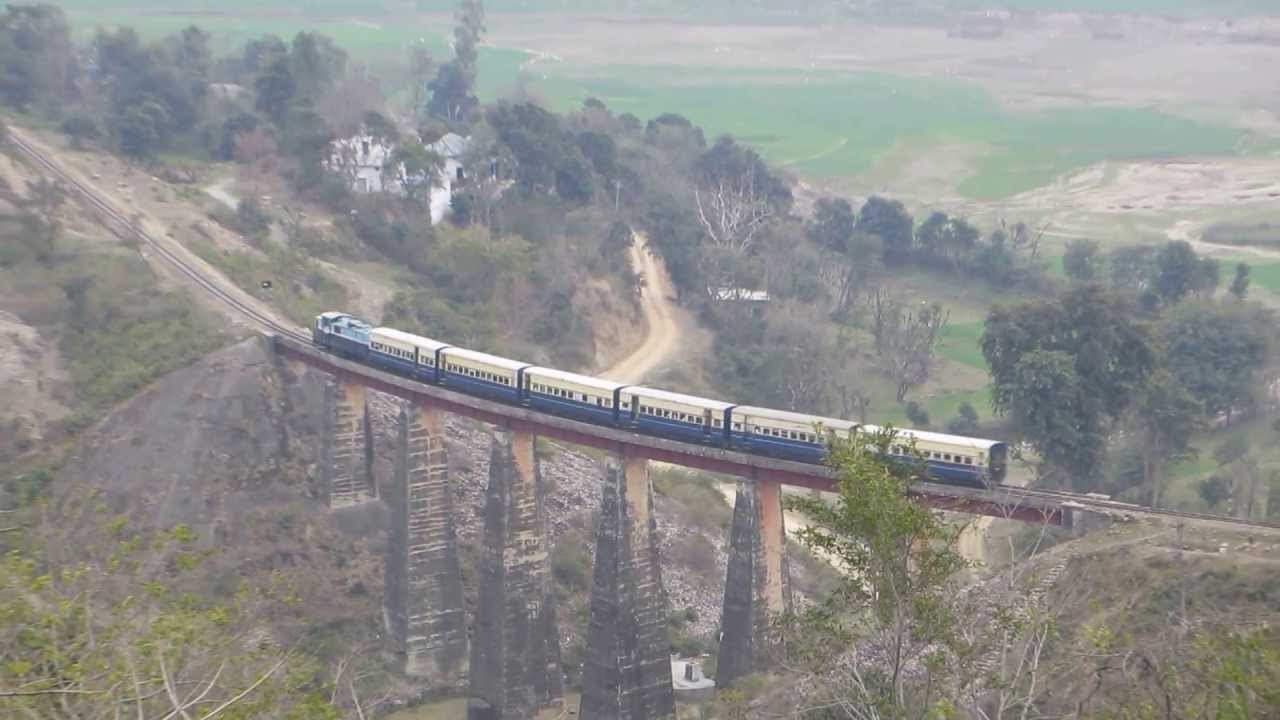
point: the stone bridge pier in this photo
(423, 603)
(346, 453)
(757, 589)
(626, 674)
(515, 651)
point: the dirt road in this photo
(660, 318)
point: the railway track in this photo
(268, 324)
(1117, 506)
(127, 228)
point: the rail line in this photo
(270, 325)
(265, 321)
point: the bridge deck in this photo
(996, 502)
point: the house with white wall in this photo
(363, 158)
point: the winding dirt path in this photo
(660, 318)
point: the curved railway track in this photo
(269, 324)
(126, 227)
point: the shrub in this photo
(918, 416)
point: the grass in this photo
(959, 343)
(299, 288)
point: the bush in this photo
(79, 128)
(917, 415)
(965, 422)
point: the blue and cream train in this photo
(787, 435)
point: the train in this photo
(951, 459)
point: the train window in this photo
(737, 426)
(715, 423)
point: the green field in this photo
(838, 125)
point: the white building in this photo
(451, 148)
(363, 160)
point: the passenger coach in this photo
(751, 429)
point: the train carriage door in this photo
(522, 386)
(727, 439)
(635, 408)
(706, 423)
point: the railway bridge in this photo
(511, 661)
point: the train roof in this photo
(941, 438)
(585, 380)
(410, 338)
(668, 396)
(477, 356)
(794, 417)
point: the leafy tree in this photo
(1179, 271)
(79, 129)
(421, 67)
(965, 422)
(421, 167)
(892, 617)
(890, 221)
(1064, 370)
(1217, 351)
(453, 91)
(1166, 416)
(141, 129)
(917, 415)
(1240, 284)
(315, 65)
(36, 55)
(1082, 260)
(274, 88)
(832, 224)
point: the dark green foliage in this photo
(79, 128)
(832, 224)
(888, 220)
(36, 56)
(1214, 490)
(1240, 284)
(547, 158)
(918, 416)
(1082, 260)
(1064, 370)
(965, 422)
(453, 90)
(1217, 350)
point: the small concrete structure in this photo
(690, 684)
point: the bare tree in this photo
(906, 339)
(257, 154)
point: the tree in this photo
(79, 129)
(965, 422)
(257, 153)
(907, 339)
(1178, 271)
(888, 220)
(36, 55)
(315, 65)
(1165, 416)
(832, 225)
(1082, 260)
(882, 639)
(1240, 285)
(736, 198)
(274, 89)
(421, 67)
(1217, 351)
(453, 91)
(419, 166)
(1064, 370)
